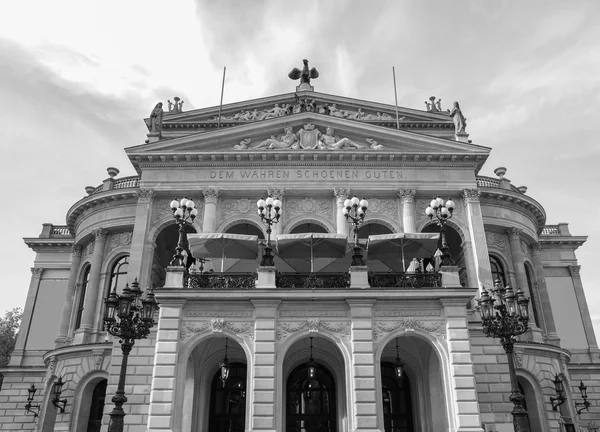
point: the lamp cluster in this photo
(442, 211)
(355, 211)
(504, 313)
(183, 210)
(269, 211)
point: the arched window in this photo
(528, 274)
(97, 407)
(497, 270)
(84, 284)
(397, 402)
(228, 401)
(118, 275)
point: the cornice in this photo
(546, 348)
(77, 349)
(530, 205)
(40, 244)
(96, 199)
(555, 240)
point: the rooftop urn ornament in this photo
(176, 107)
(305, 75)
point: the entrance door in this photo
(228, 403)
(97, 407)
(397, 403)
(310, 402)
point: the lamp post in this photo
(184, 212)
(269, 211)
(128, 317)
(505, 315)
(442, 212)
(354, 211)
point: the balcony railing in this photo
(312, 280)
(405, 280)
(220, 281)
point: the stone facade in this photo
(456, 378)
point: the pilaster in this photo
(407, 199)
(583, 307)
(363, 387)
(462, 372)
(478, 242)
(164, 372)
(546, 306)
(263, 386)
(470, 263)
(211, 199)
(140, 255)
(30, 304)
(341, 195)
(83, 334)
(65, 319)
(514, 238)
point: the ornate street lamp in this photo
(56, 400)
(585, 405)
(269, 211)
(128, 317)
(29, 407)
(354, 211)
(505, 315)
(442, 212)
(560, 398)
(184, 212)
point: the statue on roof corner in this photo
(305, 75)
(460, 121)
(156, 117)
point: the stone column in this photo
(341, 195)
(30, 304)
(277, 193)
(211, 199)
(140, 256)
(265, 405)
(478, 241)
(363, 387)
(407, 199)
(583, 307)
(518, 261)
(164, 372)
(91, 296)
(545, 305)
(65, 320)
(462, 379)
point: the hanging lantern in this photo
(399, 366)
(224, 365)
(311, 368)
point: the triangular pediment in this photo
(308, 135)
(239, 114)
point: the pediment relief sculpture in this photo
(304, 105)
(308, 138)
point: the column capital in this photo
(100, 234)
(341, 193)
(407, 195)
(36, 272)
(276, 192)
(76, 250)
(514, 233)
(471, 195)
(146, 194)
(574, 270)
(211, 194)
(536, 249)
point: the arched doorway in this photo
(228, 401)
(97, 407)
(397, 401)
(311, 400)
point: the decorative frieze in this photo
(384, 207)
(217, 325)
(118, 240)
(495, 240)
(524, 248)
(406, 313)
(89, 249)
(229, 314)
(237, 206)
(309, 205)
(188, 330)
(309, 313)
(436, 328)
(284, 329)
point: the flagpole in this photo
(221, 104)
(396, 96)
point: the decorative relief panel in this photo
(309, 313)
(406, 313)
(119, 239)
(89, 249)
(524, 248)
(284, 329)
(320, 206)
(162, 209)
(495, 239)
(218, 314)
(217, 325)
(236, 206)
(436, 328)
(384, 207)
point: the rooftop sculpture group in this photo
(308, 138)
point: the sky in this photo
(77, 78)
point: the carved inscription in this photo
(307, 174)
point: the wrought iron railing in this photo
(405, 280)
(312, 280)
(220, 281)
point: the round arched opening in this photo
(454, 243)
(246, 229)
(228, 400)
(308, 228)
(372, 229)
(166, 242)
